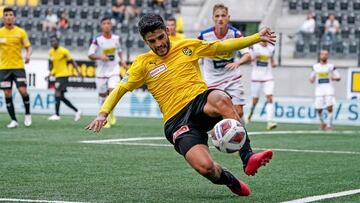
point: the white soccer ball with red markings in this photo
(228, 135)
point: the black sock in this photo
(57, 105)
(246, 150)
(228, 179)
(69, 104)
(26, 100)
(10, 108)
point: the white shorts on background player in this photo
(107, 73)
(214, 72)
(324, 90)
(261, 74)
(266, 87)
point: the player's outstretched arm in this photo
(234, 44)
(106, 108)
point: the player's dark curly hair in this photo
(9, 9)
(149, 23)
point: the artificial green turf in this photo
(47, 161)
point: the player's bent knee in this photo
(206, 168)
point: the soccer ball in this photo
(228, 135)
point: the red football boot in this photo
(257, 160)
(244, 190)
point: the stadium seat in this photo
(25, 12)
(339, 48)
(37, 12)
(139, 3)
(89, 27)
(324, 17)
(33, 39)
(353, 47)
(141, 43)
(345, 32)
(344, 4)
(351, 18)
(28, 26)
(356, 5)
(44, 2)
(300, 46)
(103, 2)
(318, 5)
(319, 31)
(33, 3)
(21, 3)
(129, 42)
(44, 41)
(84, 13)
(305, 5)
(68, 2)
(39, 26)
(175, 3)
(56, 2)
(124, 28)
(79, 2)
(326, 45)
(9, 2)
(91, 2)
(339, 17)
(331, 5)
(96, 13)
(80, 41)
(76, 26)
(68, 41)
(72, 13)
(313, 47)
(357, 33)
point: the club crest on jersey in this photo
(187, 51)
(157, 70)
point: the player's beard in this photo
(167, 47)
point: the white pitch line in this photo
(34, 200)
(322, 197)
(122, 140)
(280, 150)
(303, 132)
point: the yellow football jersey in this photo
(175, 79)
(177, 37)
(11, 43)
(60, 58)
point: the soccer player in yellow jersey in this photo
(12, 40)
(172, 74)
(171, 27)
(60, 57)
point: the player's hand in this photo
(267, 35)
(232, 66)
(27, 60)
(124, 65)
(104, 58)
(97, 123)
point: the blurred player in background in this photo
(60, 57)
(12, 40)
(172, 75)
(106, 51)
(322, 75)
(225, 74)
(173, 34)
(262, 55)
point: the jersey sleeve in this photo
(200, 36)
(312, 74)
(25, 40)
(68, 55)
(335, 73)
(135, 76)
(118, 46)
(93, 47)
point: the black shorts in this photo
(189, 127)
(61, 84)
(8, 76)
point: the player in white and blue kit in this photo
(106, 51)
(224, 74)
(262, 79)
(322, 75)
